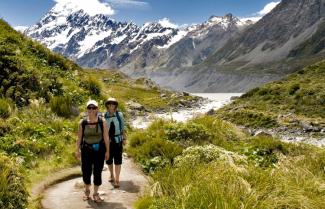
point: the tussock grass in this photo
(13, 194)
(230, 170)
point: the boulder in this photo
(186, 93)
(210, 112)
(135, 106)
(233, 98)
(262, 133)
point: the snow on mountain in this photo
(21, 28)
(88, 35)
(91, 7)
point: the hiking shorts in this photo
(115, 153)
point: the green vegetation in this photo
(298, 98)
(227, 170)
(41, 97)
(5, 108)
(62, 106)
(204, 163)
(13, 194)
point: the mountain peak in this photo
(67, 7)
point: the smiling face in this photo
(92, 109)
(111, 107)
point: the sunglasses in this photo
(92, 108)
(111, 103)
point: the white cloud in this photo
(20, 28)
(92, 7)
(268, 8)
(128, 3)
(257, 16)
(165, 22)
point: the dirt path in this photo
(68, 194)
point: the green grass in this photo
(298, 98)
(43, 97)
(115, 84)
(13, 194)
(228, 170)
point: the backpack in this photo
(99, 123)
(106, 116)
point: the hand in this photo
(78, 155)
(106, 155)
(124, 142)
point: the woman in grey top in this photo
(93, 148)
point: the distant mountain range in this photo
(223, 54)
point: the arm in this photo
(106, 139)
(78, 142)
(123, 128)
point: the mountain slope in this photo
(95, 40)
(283, 41)
(294, 101)
(286, 26)
(198, 43)
(30, 71)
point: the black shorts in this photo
(115, 153)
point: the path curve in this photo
(68, 194)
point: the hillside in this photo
(296, 102)
(42, 98)
(283, 41)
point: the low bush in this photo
(251, 118)
(92, 85)
(62, 106)
(187, 132)
(13, 194)
(5, 108)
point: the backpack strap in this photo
(119, 121)
(83, 125)
(85, 122)
(101, 124)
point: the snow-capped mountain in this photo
(283, 41)
(77, 34)
(96, 40)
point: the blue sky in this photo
(28, 12)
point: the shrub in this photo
(251, 118)
(13, 194)
(5, 109)
(293, 88)
(187, 132)
(4, 127)
(92, 85)
(152, 151)
(205, 154)
(62, 106)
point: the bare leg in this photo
(96, 189)
(96, 196)
(87, 192)
(117, 174)
(110, 167)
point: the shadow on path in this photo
(110, 205)
(129, 186)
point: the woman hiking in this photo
(115, 123)
(93, 148)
